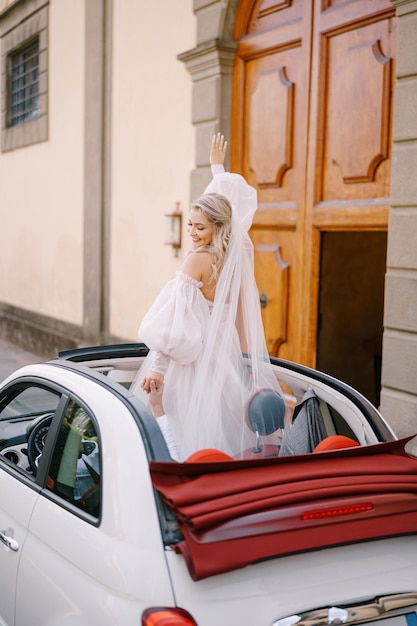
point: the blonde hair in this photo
(218, 210)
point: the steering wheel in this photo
(36, 441)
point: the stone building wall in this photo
(399, 359)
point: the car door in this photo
(94, 553)
(21, 406)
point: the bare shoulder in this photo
(198, 265)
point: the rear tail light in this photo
(165, 616)
(350, 509)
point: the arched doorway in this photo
(311, 130)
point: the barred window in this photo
(24, 84)
(24, 115)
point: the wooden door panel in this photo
(274, 261)
(356, 124)
(269, 160)
(348, 166)
(311, 130)
(271, 83)
(270, 113)
(263, 15)
(273, 162)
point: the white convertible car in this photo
(99, 526)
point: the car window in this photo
(25, 417)
(74, 472)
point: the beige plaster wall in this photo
(41, 206)
(152, 151)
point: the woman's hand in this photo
(155, 399)
(218, 149)
(156, 377)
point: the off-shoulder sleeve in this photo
(176, 323)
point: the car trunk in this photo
(282, 536)
(234, 513)
(263, 593)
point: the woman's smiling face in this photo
(199, 228)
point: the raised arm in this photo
(218, 149)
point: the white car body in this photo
(63, 567)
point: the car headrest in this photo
(334, 442)
(265, 411)
(207, 455)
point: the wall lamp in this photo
(174, 228)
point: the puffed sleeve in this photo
(176, 323)
(240, 194)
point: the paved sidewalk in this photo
(12, 357)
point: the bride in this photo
(204, 330)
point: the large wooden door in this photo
(311, 130)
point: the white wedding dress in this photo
(196, 345)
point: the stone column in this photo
(97, 151)
(399, 359)
(210, 64)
